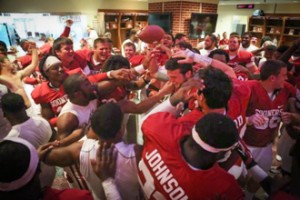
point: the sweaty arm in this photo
(60, 156)
(139, 108)
(66, 129)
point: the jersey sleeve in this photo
(36, 94)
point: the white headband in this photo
(31, 170)
(50, 61)
(206, 146)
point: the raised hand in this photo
(188, 90)
(122, 74)
(245, 154)
(105, 164)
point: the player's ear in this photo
(188, 74)
(272, 78)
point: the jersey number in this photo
(148, 186)
(270, 123)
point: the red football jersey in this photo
(163, 172)
(44, 94)
(260, 102)
(118, 94)
(243, 58)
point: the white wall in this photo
(229, 14)
(85, 7)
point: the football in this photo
(151, 33)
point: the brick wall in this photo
(181, 13)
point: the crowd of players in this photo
(210, 119)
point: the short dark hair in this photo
(101, 40)
(72, 84)
(170, 34)
(271, 67)
(218, 87)
(178, 36)
(247, 33)
(264, 39)
(106, 121)
(59, 42)
(219, 52)
(14, 160)
(213, 38)
(3, 47)
(115, 62)
(130, 44)
(234, 34)
(172, 64)
(184, 45)
(217, 130)
(22, 43)
(12, 103)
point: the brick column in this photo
(181, 13)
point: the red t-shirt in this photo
(87, 55)
(77, 62)
(136, 60)
(163, 172)
(260, 102)
(224, 42)
(66, 194)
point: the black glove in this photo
(245, 154)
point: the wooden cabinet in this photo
(274, 28)
(291, 30)
(283, 29)
(257, 27)
(119, 23)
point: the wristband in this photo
(202, 59)
(145, 81)
(257, 173)
(139, 69)
(109, 75)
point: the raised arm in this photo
(142, 107)
(30, 68)
(191, 57)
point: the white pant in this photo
(262, 156)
